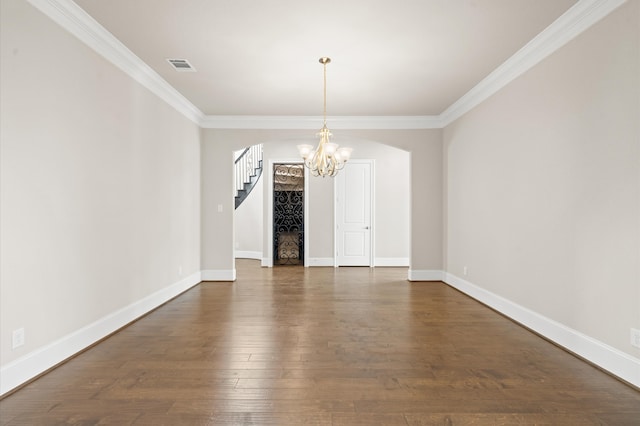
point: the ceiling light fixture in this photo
(327, 158)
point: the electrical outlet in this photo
(464, 271)
(17, 338)
(180, 270)
(635, 337)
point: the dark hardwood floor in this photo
(319, 346)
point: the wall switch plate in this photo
(17, 338)
(635, 337)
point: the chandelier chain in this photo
(325, 94)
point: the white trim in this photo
(219, 275)
(391, 261)
(315, 122)
(319, 261)
(425, 275)
(372, 209)
(40, 360)
(610, 359)
(74, 19)
(267, 175)
(564, 29)
(306, 233)
(573, 22)
(243, 254)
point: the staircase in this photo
(248, 169)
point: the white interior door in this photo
(353, 215)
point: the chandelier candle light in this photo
(327, 159)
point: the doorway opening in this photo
(288, 214)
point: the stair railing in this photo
(248, 168)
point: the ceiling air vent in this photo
(181, 65)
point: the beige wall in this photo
(543, 186)
(425, 147)
(248, 222)
(99, 186)
(216, 164)
(217, 160)
(423, 216)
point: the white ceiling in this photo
(389, 57)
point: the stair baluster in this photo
(248, 169)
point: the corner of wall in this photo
(219, 275)
(425, 275)
(604, 356)
(39, 361)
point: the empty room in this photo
(371, 212)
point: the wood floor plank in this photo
(323, 346)
(289, 406)
(475, 419)
(235, 419)
(368, 419)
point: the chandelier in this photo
(327, 158)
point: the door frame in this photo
(372, 210)
(267, 258)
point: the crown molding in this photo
(573, 22)
(79, 23)
(564, 29)
(315, 122)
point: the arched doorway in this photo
(393, 203)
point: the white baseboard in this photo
(604, 356)
(32, 364)
(391, 261)
(425, 275)
(219, 275)
(320, 261)
(243, 254)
